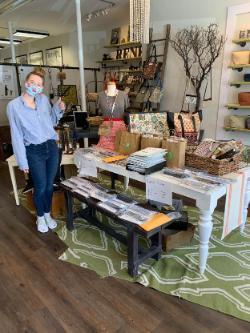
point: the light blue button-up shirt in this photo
(31, 126)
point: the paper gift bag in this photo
(147, 141)
(129, 143)
(118, 136)
(176, 148)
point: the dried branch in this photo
(199, 48)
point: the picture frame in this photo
(69, 94)
(22, 59)
(36, 58)
(115, 36)
(54, 56)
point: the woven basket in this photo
(95, 121)
(215, 167)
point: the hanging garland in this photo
(139, 21)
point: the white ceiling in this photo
(58, 16)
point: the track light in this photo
(100, 12)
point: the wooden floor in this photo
(39, 293)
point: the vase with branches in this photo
(198, 47)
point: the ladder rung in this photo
(157, 40)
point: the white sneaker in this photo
(41, 225)
(51, 223)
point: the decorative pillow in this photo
(237, 121)
(240, 57)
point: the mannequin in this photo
(111, 89)
(112, 104)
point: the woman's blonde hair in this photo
(37, 71)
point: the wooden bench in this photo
(137, 254)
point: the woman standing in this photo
(31, 120)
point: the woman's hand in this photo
(61, 104)
(26, 171)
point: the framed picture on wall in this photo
(115, 36)
(69, 94)
(54, 57)
(22, 59)
(36, 58)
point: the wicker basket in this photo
(215, 167)
(95, 121)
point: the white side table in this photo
(66, 160)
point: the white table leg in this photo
(205, 226)
(86, 142)
(246, 204)
(14, 185)
(126, 183)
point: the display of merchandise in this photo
(177, 173)
(69, 184)
(137, 214)
(81, 192)
(205, 177)
(115, 205)
(147, 158)
(234, 147)
(88, 189)
(101, 195)
(67, 139)
(122, 163)
(218, 149)
(199, 185)
(118, 204)
(97, 152)
(197, 179)
(154, 123)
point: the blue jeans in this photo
(43, 162)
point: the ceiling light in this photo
(30, 34)
(7, 41)
(100, 12)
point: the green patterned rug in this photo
(224, 287)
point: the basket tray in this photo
(215, 167)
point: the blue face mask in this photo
(33, 90)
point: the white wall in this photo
(242, 23)
(93, 50)
(180, 14)
(236, 16)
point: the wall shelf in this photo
(237, 84)
(235, 129)
(123, 45)
(241, 41)
(131, 71)
(119, 61)
(239, 68)
(238, 106)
